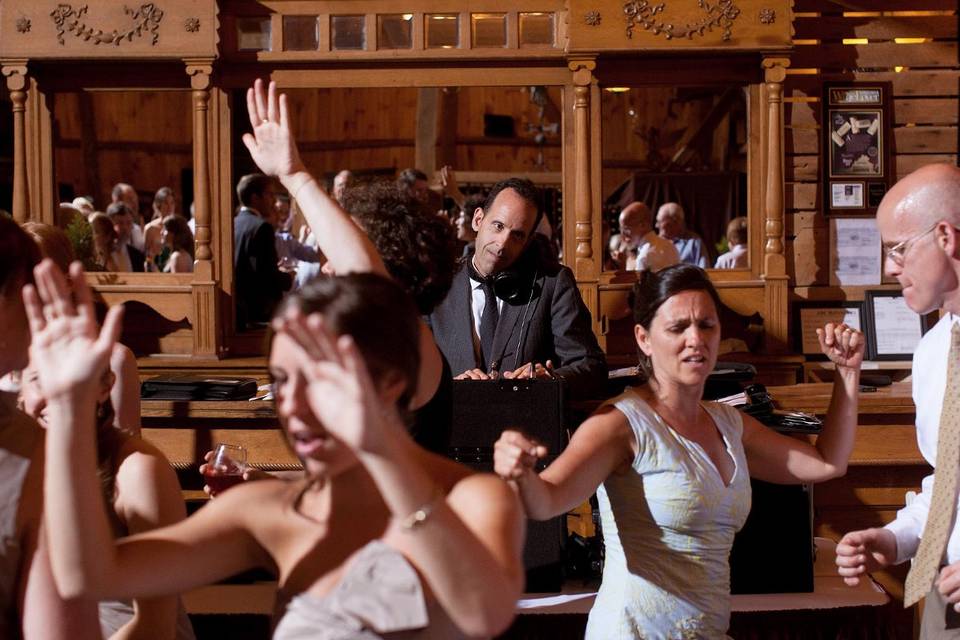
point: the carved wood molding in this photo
(582, 79)
(70, 20)
(775, 70)
(717, 15)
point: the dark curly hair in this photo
(418, 247)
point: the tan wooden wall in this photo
(105, 137)
(144, 137)
(924, 76)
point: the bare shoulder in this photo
(485, 496)
(606, 424)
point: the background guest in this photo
(672, 225)
(736, 257)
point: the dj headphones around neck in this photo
(513, 285)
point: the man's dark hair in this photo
(419, 248)
(251, 186)
(162, 195)
(408, 177)
(118, 209)
(117, 190)
(525, 189)
(655, 288)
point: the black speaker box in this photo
(780, 526)
(482, 410)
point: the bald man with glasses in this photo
(918, 221)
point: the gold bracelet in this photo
(296, 191)
(418, 517)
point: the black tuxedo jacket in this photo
(556, 326)
(258, 282)
(137, 258)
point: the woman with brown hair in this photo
(177, 237)
(106, 244)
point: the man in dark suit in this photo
(122, 218)
(258, 282)
(513, 310)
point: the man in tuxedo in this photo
(513, 311)
(122, 219)
(258, 282)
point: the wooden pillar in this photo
(774, 263)
(16, 74)
(425, 149)
(207, 336)
(585, 265)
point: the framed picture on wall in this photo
(856, 146)
(810, 316)
(856, 143)
(893, 329)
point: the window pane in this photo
(301, 33)
(443, 31)
(395, 31)
(489, 29)
(253, 34)
(348, 32)
(536, 29)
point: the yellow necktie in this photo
(926, 563)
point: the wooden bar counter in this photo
(884, 465)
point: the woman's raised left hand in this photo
(340, 391)
(843, 344)
(68, 349)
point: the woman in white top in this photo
(673, 471)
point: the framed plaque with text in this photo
(856, 146)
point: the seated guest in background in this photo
(379, 539)
(290, 251)
(140, 491)
(417, 248)
(414, 183)
(178, 241)
(671, 472)
(258, 282)
(513, 310)
(673, 227)
(84, 204)
(646, 251)
(736, 257)
(30, 606)
(464, 222)
(164, 205)
(123, 192)
(919, 222)
(122, 219)
(107, 251)
(616, 253)
(341, 182)
(125, 393)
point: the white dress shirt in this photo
(655, 253)
(929, 383)
(736, 258)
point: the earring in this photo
(101, 411)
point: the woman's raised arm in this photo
(777, 458)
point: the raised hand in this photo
(271, 144)
(68, 349)
(842, 344)
(340, 392)
(515, 455)
(860, 552)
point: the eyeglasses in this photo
(898, 252)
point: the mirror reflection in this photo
(674, 179)
(125, 185)
(444, 146)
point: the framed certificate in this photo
(856, 142)
(811, 316)
(846, 195)
(893, 329)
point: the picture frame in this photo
(812, 315)
(847, 195)
(893, 330)
(856, 143)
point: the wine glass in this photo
(226, 467)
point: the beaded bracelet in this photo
(296, 191)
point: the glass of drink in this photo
(226, 467)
